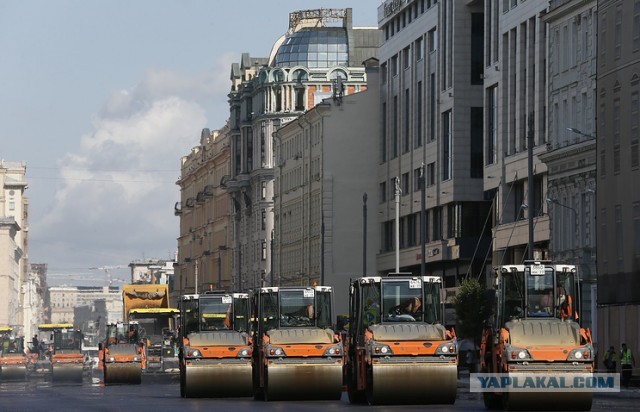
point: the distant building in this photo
(64, 300)
(14, 229)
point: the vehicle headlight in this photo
(243, 353)
(136, 358)
(583, 354)
(448, 348)
(112, 359)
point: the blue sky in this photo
(100, 99)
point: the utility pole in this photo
(423, 228)
(397, 202)
(364, 234)
(531, 208)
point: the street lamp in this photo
(364, 234)
(576, 131)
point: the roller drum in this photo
(13, 373)
(128, 373)
(217, 380)
(303, 381)
(412, 383)
(66, 373)
(547, 401)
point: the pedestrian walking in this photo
(627, 362)
(611, 360)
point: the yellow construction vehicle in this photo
(398, 351)
(13, 360)
(121, 354)
(157, 326)
(148, 304)
(215, 346)
(535, 329)
(66, 361)
(297, 354)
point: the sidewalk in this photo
(633, 392)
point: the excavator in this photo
(65, 357)
(535, 329)
(13, 360)
(121, 354)
(296, 352)
(397, 350)
(215, 346)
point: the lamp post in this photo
(576, 131)
(364, 234)
(423, 228)
(398, 191)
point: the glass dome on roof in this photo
(318, 47)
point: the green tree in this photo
(472, 309)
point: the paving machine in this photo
(297, 354)
(13, 360)
(215, 346)
(64, 353)
(122, 354)
(535, 329)
(157, 333)
(398, 351)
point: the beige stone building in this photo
(321, 225)
(204, 245)
(320, 55)
(14, 235)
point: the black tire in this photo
(258, 392)
(492, 400)
(369, 389)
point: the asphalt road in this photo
(164, 395)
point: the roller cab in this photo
(157, 334)
(535, 328)
(398, 352)
(13, 360)
(215, 346)
(122, 354)
(297, 354)
(65, 357)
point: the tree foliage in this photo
(472, 309)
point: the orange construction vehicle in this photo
(398, 351)
(121, 354)
(297, 354)
(148, 304)
(535, 329)
(13, 360)
(66, 360)
(215, 347)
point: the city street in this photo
(164, 395)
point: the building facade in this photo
(571, 154)
(319, 56)
(618, 171)
(14, 236)
(431, 91)
(322, 187)
(204, 245)
(65, 299)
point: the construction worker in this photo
(627, 362)
(611, 360)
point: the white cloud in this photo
(116, 199)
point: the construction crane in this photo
(107, 274)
